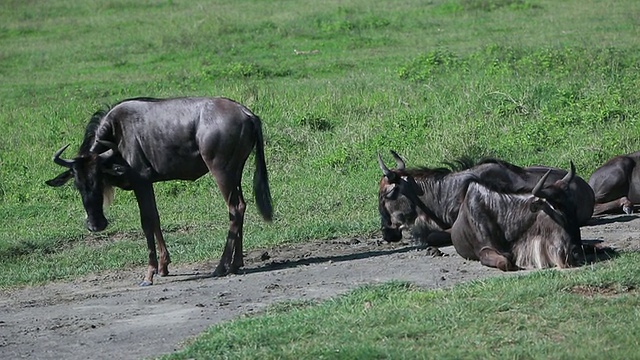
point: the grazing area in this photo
(533, 82)
(303, 307)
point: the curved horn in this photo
(540, 184)
(400, 165)
(60, 161)
(383, 167)
(572, 172)
(108, 144)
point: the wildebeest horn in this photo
(383, 167)
(60, 161)
(400, 165)
(108, 144)
(572, 172)
(540, 184)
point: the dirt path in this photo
(109, 317)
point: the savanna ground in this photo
(531, 82)
(107, 316)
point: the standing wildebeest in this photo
(518, 231)
(431, 198)
(141, 141)
(617, 184)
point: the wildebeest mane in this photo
(514, 168)
(140, 98)
(90, 131)
(424, 172)
(461, 163)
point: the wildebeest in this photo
(518, 231)
(616, 184)
(430, 198)
(142, 141)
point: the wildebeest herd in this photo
(504, 215)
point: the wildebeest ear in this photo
(60, 179)
(115, 170)
(537, 205)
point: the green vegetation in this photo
(590, 313)
(530, 81)
(533, 82)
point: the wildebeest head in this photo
(398, 200)
(554, 199)
(553, 238)
(91, 173)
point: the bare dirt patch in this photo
(106, 316)
(603, 290)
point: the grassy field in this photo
(336, 82)
(577, 314)
(533, 82)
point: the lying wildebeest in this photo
(141, 141)
(430, 198)
(616, 184)
(518, 231)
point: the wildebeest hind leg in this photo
(492, 258)
(231, 190)
(614, 205)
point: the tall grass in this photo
(533, 82)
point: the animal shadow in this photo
(610, 219)
(593, 251)
(278, 264)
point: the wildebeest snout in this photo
(96, 225)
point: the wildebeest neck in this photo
(443, 194)
(90, 132)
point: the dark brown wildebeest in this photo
(141, 141)
(616, 184)
(518, 231)
(428, 200)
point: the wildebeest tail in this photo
(260, 178)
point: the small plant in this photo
(491, 5)
(424, 66)
(315, 122)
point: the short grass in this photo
(335, 82)
(533, 82)
(590, 313)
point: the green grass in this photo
(533, 82)
(530, 81)
(590, 313)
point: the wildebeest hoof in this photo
(220, 271)
(627, 210)
(163, 272)
(433, 251)
(146, 283)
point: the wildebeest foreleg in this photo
(613, 205)
(492, 258)
(150, 221)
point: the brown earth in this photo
(107, 316)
